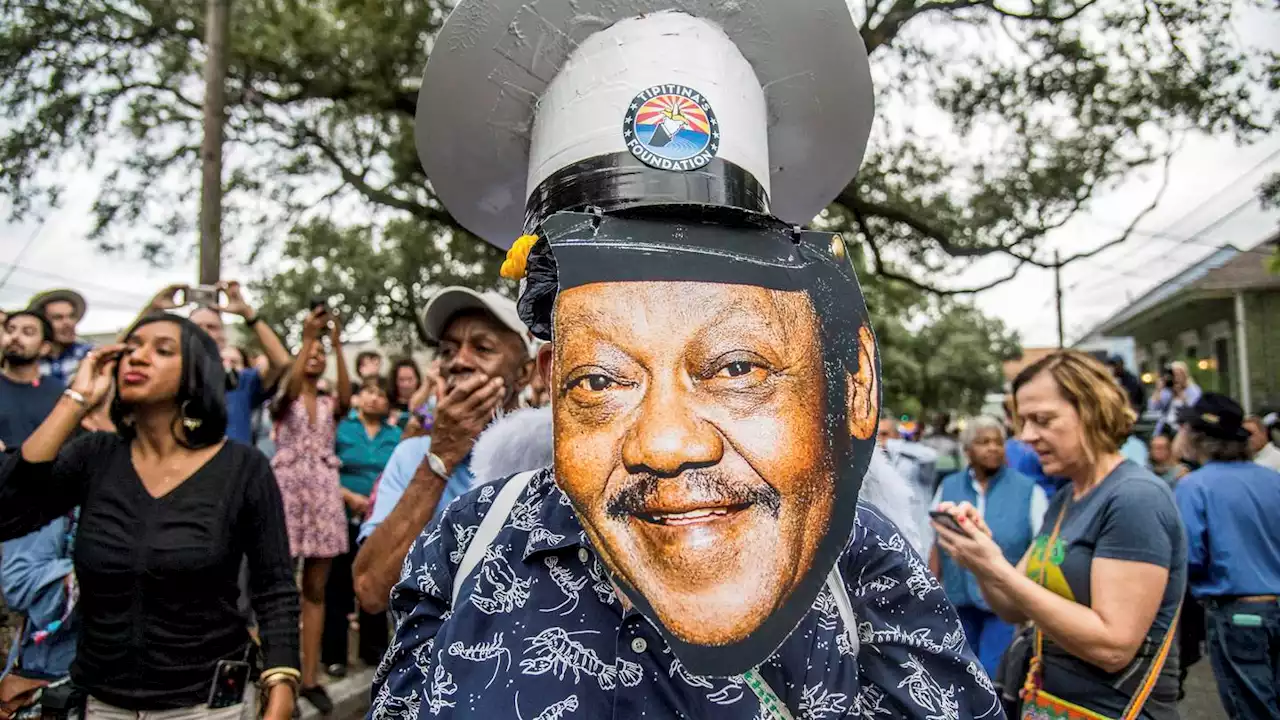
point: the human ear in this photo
(863, 389)
(544, 361)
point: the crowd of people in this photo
(1070, 561)
(178, 510)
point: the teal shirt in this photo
(363, 457)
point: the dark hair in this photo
(377, 383)
(46, 327)
(394, 375)
(1219, 450)
(366, 355)
(201, 388)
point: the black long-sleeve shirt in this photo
(158, 576)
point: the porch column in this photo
(1242, 352)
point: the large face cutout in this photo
(712, 442)
(690, 434)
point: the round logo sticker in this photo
(672, 127)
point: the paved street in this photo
(1202, 702)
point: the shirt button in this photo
(638, 646)
(583, 555)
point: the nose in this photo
(463, 362)
(1029, 433)
(668, 437)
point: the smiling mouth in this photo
(696, 516)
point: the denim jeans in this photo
(1244, 648)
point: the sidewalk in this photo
(350, 697)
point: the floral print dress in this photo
(306, 469)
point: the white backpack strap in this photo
(835, 583)
(773, 707)
(490, 525)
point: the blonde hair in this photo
(1106, 418)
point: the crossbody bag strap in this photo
(1035, 670)
(492, 523)
(1153, 673)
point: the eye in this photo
(737, 369)
(594, 382)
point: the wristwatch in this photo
(437, 465)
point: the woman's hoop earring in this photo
(190, 423)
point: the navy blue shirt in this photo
(541, 633)
(23, 406)
(1233, 538)
(248, 395)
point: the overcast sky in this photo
(1211, 200)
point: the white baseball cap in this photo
(452, 300)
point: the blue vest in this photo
(1008, 514)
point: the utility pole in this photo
(215, 100)
(1057, 292)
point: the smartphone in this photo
(206, 295)
(944, 519)
(230, 679)
(317, 302)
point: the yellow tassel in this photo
(513, 268)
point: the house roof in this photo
(1224, 270)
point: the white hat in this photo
(452, 300)
(529, 108)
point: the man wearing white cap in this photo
(484, 364)
(697, 549)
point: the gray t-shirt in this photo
(1130, 515)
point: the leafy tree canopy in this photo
(999, 120)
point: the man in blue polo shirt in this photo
(1233, 556)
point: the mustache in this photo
(706, 483)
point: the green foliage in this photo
(379, 276)
(945, 355)
(999, 122)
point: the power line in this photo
(108, 304)
(70, 280)
(25, 246)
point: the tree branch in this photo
(1124, 236)
(378, 195)
(881, 268)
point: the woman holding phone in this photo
(306, 467)
(1103, 580)
(168, 511)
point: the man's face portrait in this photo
(692, 436)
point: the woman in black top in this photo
(169, 509)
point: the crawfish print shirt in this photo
(540, 635)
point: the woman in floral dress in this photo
(306, 469)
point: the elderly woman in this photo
(1103, 581)
(1013, 506)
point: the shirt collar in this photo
(556, 526)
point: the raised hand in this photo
(235, 304)
(462, 414)
(167, 298)
(314, 326)
(96, 374)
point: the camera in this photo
(206, 295)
